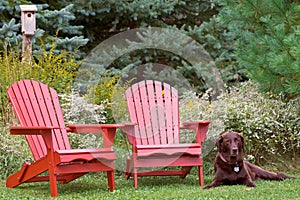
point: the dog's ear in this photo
(242, 139)
(219, 142)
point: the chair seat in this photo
(71, 155)
(169, 149)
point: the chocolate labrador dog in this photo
(231, 169)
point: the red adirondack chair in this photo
(154, 133)
(41, 121)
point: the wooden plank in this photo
(38, 119)
(161, 173)
(46, 107)
(132, 113)
(58, 141)
(168, 111)
(87, 167)
(161, 112)
(34, 91)
(169, 161)
(146, 111)
(67, 156)
(139, 114)
(26, 120)
(175, 111)
(153, 111)
(182, 145)
(25, 99)
(17, 102)
(168, 150)
(60, 119)
(23, 130)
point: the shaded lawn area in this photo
(95, 187)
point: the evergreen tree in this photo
(53, 27)
(268, 45)
(69, 24)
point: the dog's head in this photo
(230, 145)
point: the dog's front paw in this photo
(207, 187)
(250, 184)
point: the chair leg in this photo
(111, 180)
(135, 178)
(129, 168)
(200, 174)
(53, 183)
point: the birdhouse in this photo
(28, 19)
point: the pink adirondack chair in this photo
(154, 133)
(41, 121)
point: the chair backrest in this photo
(36, 104)
(153, 106)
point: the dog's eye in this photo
(227, 142)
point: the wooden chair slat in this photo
(161, 112)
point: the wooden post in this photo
(28, 30)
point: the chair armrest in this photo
(92, 128)
(30, 130)
(201, 128)
(45, 132)
(194, 125)
(107, 130)
(129, 129)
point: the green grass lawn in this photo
(95, 187)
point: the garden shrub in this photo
(194, 108)
(55, 70)
(102, 93)
(79, 110)
(269, 124)
(13, 152)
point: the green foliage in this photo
(59, 22)
(155, 53)
(8, 34)
(270, 126)
(73, 22)
(13, 152)
(194, 108)
(48, 23)
(101, 93)
(219, 41)
(268, 45)
(117, 16)
(55, 70)
(79, 110)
